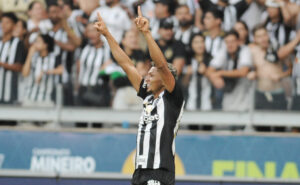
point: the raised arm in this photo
(157, 56)
(123, 60)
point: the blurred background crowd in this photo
(230, 54)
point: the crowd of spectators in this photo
(225, 51)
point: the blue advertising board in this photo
(196, 154)
(49, 181)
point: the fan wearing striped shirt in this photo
(41, 70)
(12, 57)
(95, 56)
(66, 41)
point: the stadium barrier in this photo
(108, 116)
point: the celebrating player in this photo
(162, 109)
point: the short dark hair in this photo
(218, 14)
(52, 4)
(11, 16)
(232, 32)
(49, 41)
(172, 69)
(258, 27)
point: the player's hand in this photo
(141, 22)
(100, 25)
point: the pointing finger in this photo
(99, 16)
(140, 11)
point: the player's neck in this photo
(157, 93)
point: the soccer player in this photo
(162, 109)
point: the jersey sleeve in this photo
(176, 96)
(245, 58)
(143, 90)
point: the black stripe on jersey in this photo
(152, 141)
(142, 137)
(199, 89)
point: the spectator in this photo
(71, 15)
(66, 42)
(173, 50)
(213, 31)
(41, 69)
(93, 90)
(293, 47)
(194, 9)
(230, 13)
(115, 18)
(269, 72)
(199, 89)
(20, 32)
(19, 7)
(37, 20)
(125, 96)
(163, 9)
(275, 25)
(228, 71)
(242, 29)
(12, 55)
(186, 28)
(214, 44)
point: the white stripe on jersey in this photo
(91, 61)
(213, 46)
(160, 125)
(88, 66)
(176, 127)
(9, 74)
(142, 159)
(96, 68)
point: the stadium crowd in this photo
(222, 50)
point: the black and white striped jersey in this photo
(280, 32)
(158, 127)
(199, 89)
(91, 60)
(42, 91)
(214, 45)
(11, 52)
(62, 36)
(184, 36)
(76, 26)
